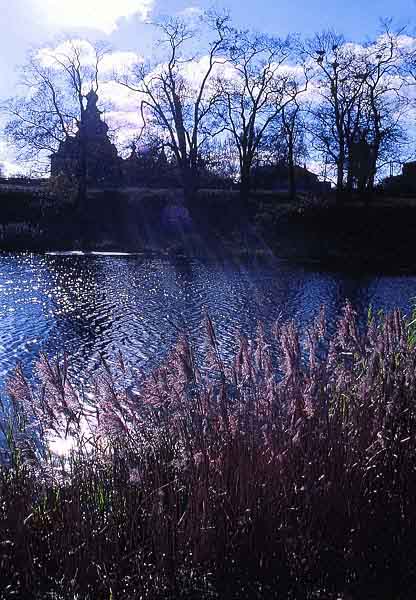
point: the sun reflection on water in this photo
(91, 305)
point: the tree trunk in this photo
(291, 165)
(340, 179)
(350, 172)
(373, 169)
(190, 183)
(81, 194)
(245, 184)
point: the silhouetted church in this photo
(103, 164)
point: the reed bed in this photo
(290, 471)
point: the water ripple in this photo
(90, 305)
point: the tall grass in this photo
(288, 473)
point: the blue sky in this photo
(33, 23)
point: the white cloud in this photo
(120, 97)
(111, 62)
(8, 166)
(355, 49)
(407, 42)
(124, 117)
(102, 15)
(194, 71)
(121, 119)
(114, 62)
(47, 56)
(191, 12)
(125, 126)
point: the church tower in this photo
(103, 163)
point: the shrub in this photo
(287, 472)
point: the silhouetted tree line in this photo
(244, 101)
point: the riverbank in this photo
(377, 237)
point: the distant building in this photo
(103, 162)
(276, 178)
(404, 183)
(409, 171)
(145, 166)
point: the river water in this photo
(91, 305)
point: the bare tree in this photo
(50, 109)
(254, 92)
(286, 142)
(385, 103)
(407, 68)
(176, 101)
(357, 112)
(221, 160)
(291, 127)
(339, 87)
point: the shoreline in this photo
(378, 238)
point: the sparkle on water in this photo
(91, 305)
